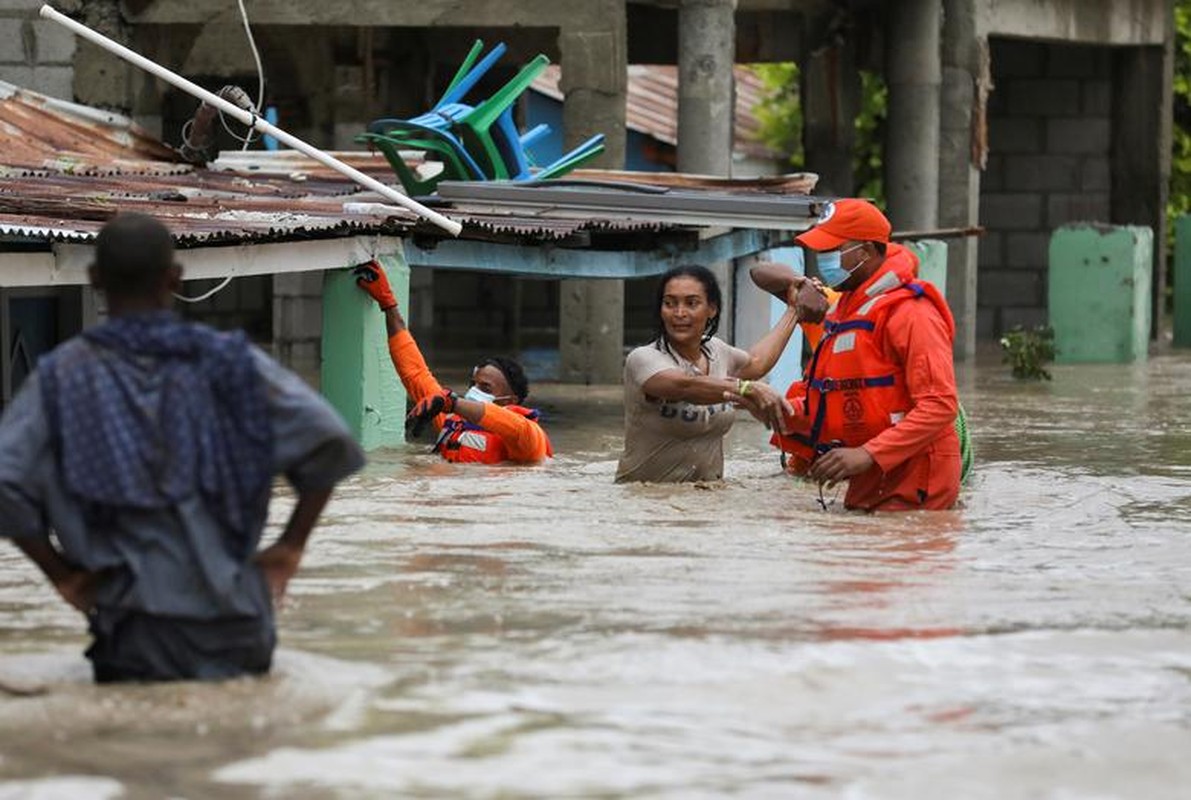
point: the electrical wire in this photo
(205, 295)
(260, 70)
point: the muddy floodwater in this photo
(469, 632)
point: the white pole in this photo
(252, 120)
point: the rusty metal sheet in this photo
(651, 103)
(39, 134)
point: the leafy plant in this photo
(780, 115)
(1028, 351)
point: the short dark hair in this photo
(711, 287)
(133, 253)
(513, 373)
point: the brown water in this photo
(483, 633)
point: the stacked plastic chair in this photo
(473, 143)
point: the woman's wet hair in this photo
(711, 287)
(513, 373)
(133, 254)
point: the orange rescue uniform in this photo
(882, 378)
(504, 433)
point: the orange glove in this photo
(428, 408)
(371, 278)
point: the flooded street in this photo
(500, 632)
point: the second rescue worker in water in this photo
(879, 402)
(488, 425)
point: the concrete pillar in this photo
(706, 53)
(963, 123)
(358, 377)
(912, 71)
(594, 78)
(1142, 116)
(706, 103)
(830, 89)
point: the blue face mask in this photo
(830, 270)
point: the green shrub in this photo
(1029, 351)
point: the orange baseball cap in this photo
(847, 220)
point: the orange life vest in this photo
(852, 391)
(464, 442)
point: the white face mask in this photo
(479, 395)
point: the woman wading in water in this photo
(682, 389)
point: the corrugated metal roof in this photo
(69, 168)
(206, 207)
(39, 135)
(651, 103)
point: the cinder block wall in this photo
(1049, 139)
(34, 53)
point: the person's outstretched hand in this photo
(371, 278)
(763, 402)
(428, 408)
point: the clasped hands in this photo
(763, 402)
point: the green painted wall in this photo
(357, 375)
(932, 262)
(1099, 287)
(1182, 282)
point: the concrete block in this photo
(21, 76)
(1070, 61)
(13, 45)
(1182, 282)
(1011, 211)
(1026, 173)
(991, 250)
(54, 81)
(358, 378)
(1014, 58)
(298, 284)
(1009, 287)
(1044, 98)
(254, 291)
(1099, 297)
(1016, 135)
(986, 323)
(1085, 207)
(54, 44)
(1078, 135)
(1096, 175)
(1097, 98)
(1027, 318)
(1027, 250)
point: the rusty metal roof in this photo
(42, 135)
(651, 103)
(68, 168)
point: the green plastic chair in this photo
(391, 147)
(499, 158)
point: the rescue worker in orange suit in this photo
(878, 404)
(488, 425)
